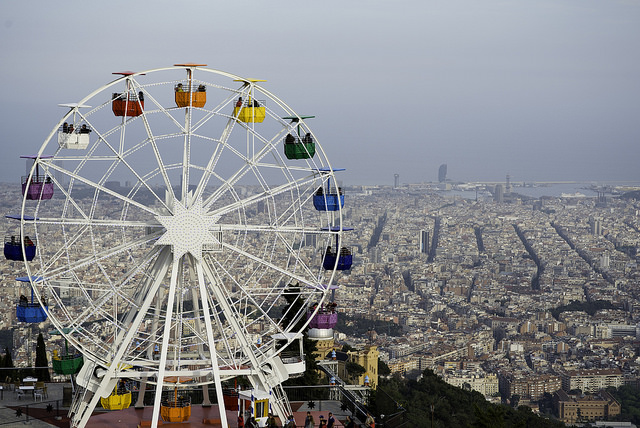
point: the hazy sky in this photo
(542, 90)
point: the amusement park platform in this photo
(50, 412)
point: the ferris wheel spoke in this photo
(280, 232)
(144, 300)
(265, 195)
(92, 222)
(118, 157)
(271, 266)
(210, 338)
(248, 166)
(161, 166)
(101, 188)
(215, 157)
(104, 296)
(247, 297)
(52, 273)
(240, 333)
(173, 284)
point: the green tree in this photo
(7, 363)
(346, 348)
(354, 370)
(515, 399)
(42, 364)
(383, 368)
(449, 406)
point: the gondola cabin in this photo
(190, 96)
(129, 103)
(249, 110)
(297, 145)
(124, 104)
(330, 199)
(30, 310)
(337, 259)
(71, 138)
(292, 356)
(340, 261)
(13, 248)
(326, 318)
(74, 135)
(255, 402)
(38, 185)
(119, 399)
(175, 408)
(67, 364)
(299, 148)
(13, 242)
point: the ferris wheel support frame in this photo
(208, 277)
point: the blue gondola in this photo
(340, 260)
(344, 260)
(30, 310)
(328, 201)
(13, 247)
(330, 198)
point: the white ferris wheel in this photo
(181, 217)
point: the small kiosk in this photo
(254, 403)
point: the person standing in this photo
(271, 421)
(291, 423)
(308, 421)
(331, 421)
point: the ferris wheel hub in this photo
(188, 230)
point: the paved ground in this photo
(25, 411)
(50, 412)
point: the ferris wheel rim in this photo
(103, 88)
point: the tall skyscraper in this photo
(423, 241)
(442, 173)
(498, 193)
(507, 189)
(310, 239)
(396, 181)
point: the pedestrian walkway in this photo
(26, 411)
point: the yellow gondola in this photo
(119, 399)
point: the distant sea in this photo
(553, 190)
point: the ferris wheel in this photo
(181, 216)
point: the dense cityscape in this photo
(511, 296)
